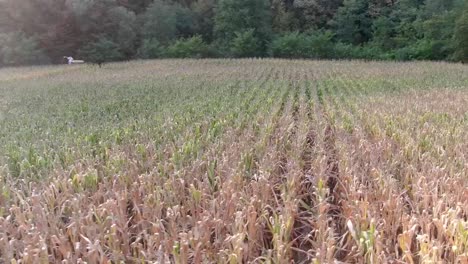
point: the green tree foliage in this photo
(167, 21)
(101, 51)
(104, 19)
(185, 21)
(18, 49)
(193, 47)
(353, 23)
(34, 31)
(384, 31)
(125, 32)
(438, 32)
(316, 13)
(150, 49)
(160, 22)
(436, 7)
(317, 45)
(49, 22)
(461, 37)
(136, 6)
(405, 15)
(289, 45)
(284, 18)
(246, 44)
(321, 46)
(204, 12)
(243, 21)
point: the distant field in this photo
(234, 161)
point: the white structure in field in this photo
(72, 61)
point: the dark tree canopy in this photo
(243, 23)
(43, 31)
(461, 37)
(101, 50)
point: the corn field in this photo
(234, 161)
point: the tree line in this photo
(43, 31)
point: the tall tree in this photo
(49, 22)
(41, 30)
(204, 12)
(185, 21)
(406, 15)
(234, 18)
(19, 49)
(137, 6)
(461, 36)
(353, 23)
(101, 51)
(383, 32)
(284, 17)
(160, 22)
(316, 13)
(436, 7)
(99, 19)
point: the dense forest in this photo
(43, 31)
